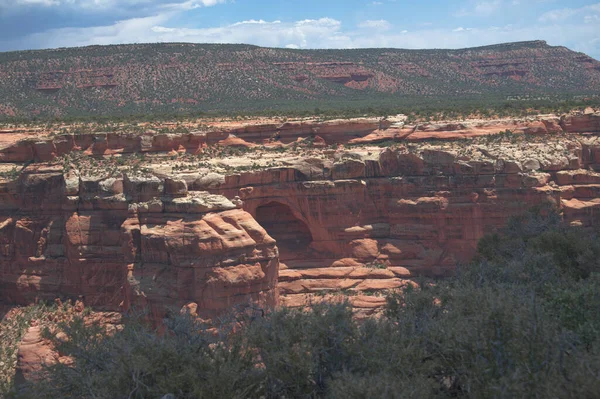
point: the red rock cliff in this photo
(360, 221)
(118, 242)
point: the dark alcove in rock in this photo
(292, 235)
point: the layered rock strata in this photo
(120, 242)
(18, 145)
(176, 229)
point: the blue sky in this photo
(34, 24)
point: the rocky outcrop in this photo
(37, 147)
(125, 241)
(588, 122)
(209, 231)
(367, 222)
(215, 260)
(423, 213)
(34, 353)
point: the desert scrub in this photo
(521, 321)
(136, 362)
(377, 264)
(11, 174)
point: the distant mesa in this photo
(146, 78)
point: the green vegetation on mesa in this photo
(521, 321)
(178, 78)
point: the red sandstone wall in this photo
(128, 241)
(422, 214)
(100, 240)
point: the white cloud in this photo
(162, 29)
(478, 8)
(486, 8)
(253, 21)
(562, 14)
(324, 32)
(557, 15)
(135, 30)
(592, 19)
(193, 4)
(380, 24)
(314, 33)
(75, 3)
(583, 37)
(110, 4)
(37, 2)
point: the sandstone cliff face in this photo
(366, 225)
(119, 242)
(210, 232)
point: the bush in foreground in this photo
(523, 320)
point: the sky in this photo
(38, 24)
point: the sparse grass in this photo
(376, 264)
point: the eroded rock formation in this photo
(25, 145)
(192, 225)
(131, 240)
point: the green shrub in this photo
(137, 362)
(521, 321)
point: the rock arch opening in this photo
(292, 234)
